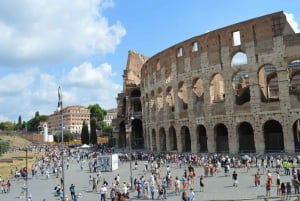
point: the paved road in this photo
(216, 188)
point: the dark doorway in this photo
(273, 136)
(221, 134)
(246, 138)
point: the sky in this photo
(82, 45)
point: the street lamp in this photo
(60, 108)
(130, 118)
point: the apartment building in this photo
(73, 118)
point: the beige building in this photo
(235, 89)
(73, 118)
(110, 115)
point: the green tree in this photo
(68, 137)
(107, 130)
(85, 138)
(98, 113)
(19, 124)
(34, 123)
(93, 137)
(7, 126)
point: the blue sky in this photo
(82, 45)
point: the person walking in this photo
(234, 178)
(268, 189)
(103, 190)
(112, 194)
(192, 194)
(72, 191)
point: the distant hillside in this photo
(15, 139)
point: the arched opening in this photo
(202, 138)
(198, 95)
(183, 96)
(217, 89)
(246, 138)
(153, 136)
(162, 139)
(296, 133)
(185, 139)
(294, 74)
(137, 138)
(240, 84)
(159, 99)
(221, 133)
(172, 138)
(240, 58)
(268, 82)
(170, 100)
(122, 135)
(273, 136)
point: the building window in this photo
(236, 38)
(179, 52)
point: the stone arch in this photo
(238, 59)
(221, 134)
(172, 138)
(152, 101)
(135, 100)
(217, 88)
(153, 136)
(246, 138)
(185, 139)
(202, 138)
(268, 83)
(198, 95)
(159, 99)
(294, 74)
(240, 83)
(273, 134)
(162, 139)
(296, 133)
(170, 100)
(137, 138)
(183, 95)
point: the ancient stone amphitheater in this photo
(233, 90)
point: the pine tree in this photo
(93, 138)
(85, 138)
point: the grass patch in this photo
(11, 161)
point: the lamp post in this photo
(130, 118)
(60, 108)
(26, 177)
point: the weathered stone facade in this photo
(127, 127)
(235, 89)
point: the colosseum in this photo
(231, 90)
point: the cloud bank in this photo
(50, 43)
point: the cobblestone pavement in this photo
(218, 187)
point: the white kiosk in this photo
(107, 163)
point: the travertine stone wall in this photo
(270, 46)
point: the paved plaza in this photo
(218, 187)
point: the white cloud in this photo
(31, 90)
(49, 31)
(294, 24)
(86, 84)
(41, 44)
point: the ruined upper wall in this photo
(258, 33)
(134, 64)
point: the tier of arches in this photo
(171, 97)
(272, 130)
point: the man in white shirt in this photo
(103, 191)
(192, 195)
